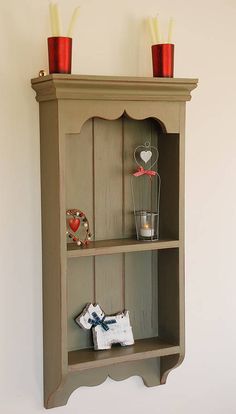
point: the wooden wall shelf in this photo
(89, 127)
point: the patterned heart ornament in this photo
(74, 224)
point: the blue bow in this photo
(98, 321)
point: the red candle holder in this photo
(59, 54)
(163, 60)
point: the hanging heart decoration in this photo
(78, 224)
(145, 153)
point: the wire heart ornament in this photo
(144, 153)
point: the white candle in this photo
(52, 19)
(157, 30)
(151, 30)
(57, 20)
(146, 231)
(73, 22)
(170, 30)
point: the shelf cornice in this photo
(117, 88)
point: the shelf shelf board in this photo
(142, 349)
(103, 247)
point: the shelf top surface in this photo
(142, 349)
(104, 247)
(94, 87)
(116, 79)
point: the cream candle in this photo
(57, 20)
(146, 231)
(52, 19)
(151, 30)
(157, 29)
(73, 22)
(170, 30)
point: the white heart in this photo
(146, 155)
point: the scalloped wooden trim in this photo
(148, 370)
(82, 111)
(168, 363)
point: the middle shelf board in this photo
(104, 247)
(142, 349)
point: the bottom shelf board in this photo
(142, 349)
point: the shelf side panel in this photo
(169, 171)
(54, 357)
(168, 300)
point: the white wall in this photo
(111, 41)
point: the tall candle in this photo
(73, 21)
(52, 19)
(151, 30)
(57, 20)
(170, 30)
(157, 30)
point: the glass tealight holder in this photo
(147, 225)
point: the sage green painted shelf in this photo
(104, 247)
(142, 349)
(89, 127)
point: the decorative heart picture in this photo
(74, 224)
(146, 155)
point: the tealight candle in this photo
(146, 231)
